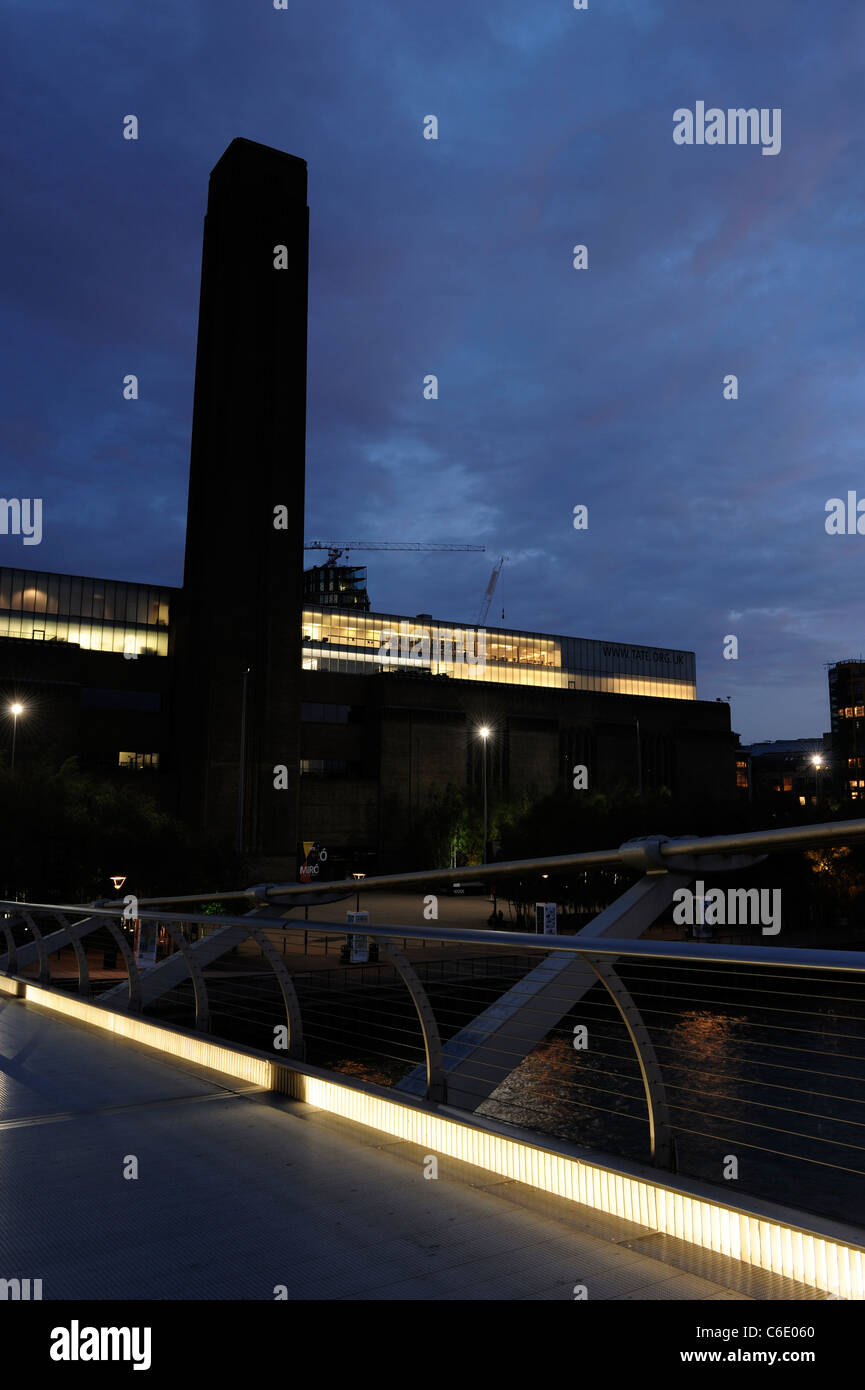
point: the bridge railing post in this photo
(662, 1146)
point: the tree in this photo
(65, 832)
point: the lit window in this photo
(146, 762)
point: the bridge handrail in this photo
(789, 956)
(744, 842)
(793, 1045)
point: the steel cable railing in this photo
(761, 1051)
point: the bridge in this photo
(477, 1114)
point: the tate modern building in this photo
(201, 692)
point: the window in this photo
(325, 714)
(325, 767)
(141, 762)
(141, 701)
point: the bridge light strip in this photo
(810, 1259)
(780, 1247)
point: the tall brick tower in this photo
(243, 579)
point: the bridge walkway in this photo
(240, 1191)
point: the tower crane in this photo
(336, 549)
(494, 579)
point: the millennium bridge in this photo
(303, 1107)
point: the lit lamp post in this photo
(484, 732)
(357, 878)
(639, 761)
(15, 710)
(241, 776)
(818, 764)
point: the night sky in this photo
(556, 387)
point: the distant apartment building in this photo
(847, 709)
(794, 770)
(336, 586)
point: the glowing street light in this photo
(15, 710)
(358, 879)
(485, 732)
(818, 764)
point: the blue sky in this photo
(454, 257)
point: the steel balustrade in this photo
(664, 862)
(649, 854)
(600, 958)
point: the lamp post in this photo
(241, 779)
(15, 710)
(639, 761)
(484, 732)
(817, 762)
(357, 878)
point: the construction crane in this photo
(488, 596)
(336, 549)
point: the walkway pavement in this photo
(240, 1191)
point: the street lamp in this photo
(357, 878)
(818, 765)
(241, 775)
(485, 732)
(15, 710)
(639, 761)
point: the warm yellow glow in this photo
(91, 613)
(484, 731)
(247, 1066)
(90, 636)
(769, 1243)
(784, 1249)
(16, 710)
(359, 644)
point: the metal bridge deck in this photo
(239, 1191)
